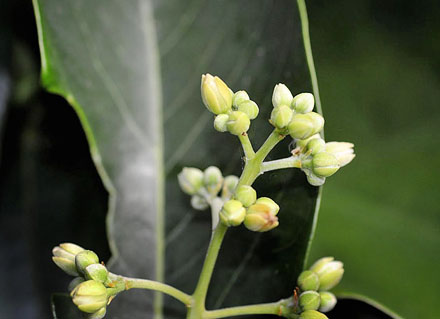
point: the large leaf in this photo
(102, 56)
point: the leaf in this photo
(103, 57)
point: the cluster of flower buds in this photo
(94, 287)
(259, 215)
(314, 283)
(234, 111)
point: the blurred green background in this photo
(378, 66)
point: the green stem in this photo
(289, 162)
(247, 146)
(157, 286)
(273, 308)
(199, 297)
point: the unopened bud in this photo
(281, 116)
(216, 95)
(232, 213)
(190, 180)
(64, 257)
(99, 314)
(303, 126)
(314, 180)
(329, 272)
(308, 280)
(75, 282)
(71, 248)
(229, 184)
(96, 272)
(324, 164)
(198, 202)
(261, 216)
(303, 143)
(303, 103)
(309, 300)
(213, 180)
(316, 146)
(328, 301)
(239, 97)
(281, 95)
(66, 264)
(246, 195)
(220, 122)
(250, 108)
(84, 259)
(312, 314)
(343, 152)
(238, 123)
(90, 296)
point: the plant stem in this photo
(260, 309)
(158, 286)
(199, 297)
(289, 162)
(247, 146)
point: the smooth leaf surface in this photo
(101, 56)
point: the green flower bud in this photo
(328, 301)
(324, 164)
(239, 97)
(238, 123)
(314, 180)
(90, 296)
(220, 122)
(343, 152)
(246, 195)
(67, 265)
(281, 95)
(303, 126)
(308, 280)
(190, 180)
(71, 248)
(75, 282)
(199, 202)
(232, 213)
(303, 143)
(261, 216)
(64, 257)
(316, 145)
(213, 180)
(99, 314)
(250, 108)
(329, 272)
(229, 185)
(303, 103)
(216, 95)
(309, 300)
(281, 116)
(96, 272)
(85, 258)
(312, 314)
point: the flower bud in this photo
(303, 143)
(328, 301)
(64, 257)
(246, 195)
(75, 282)
(324, 164)
(216, 95)
(309, 300)
(303, 103)
(99, 314)
(303, 126)
(67, 265)
(229, 185)
(96, 272)
(281, 95)
(232, 213)
(213, 180)
(316, 145)
(308, 280)
(343, 151)
(281, 116)
(261, 216)
(90, 296)
(329, 272)
(238, 123)
(199, 202)
(84, 259)
(315, 180)
(312, 314)
(250, 108)
(71, 248)
(239, 97)
(220, 122)
(190, 180)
